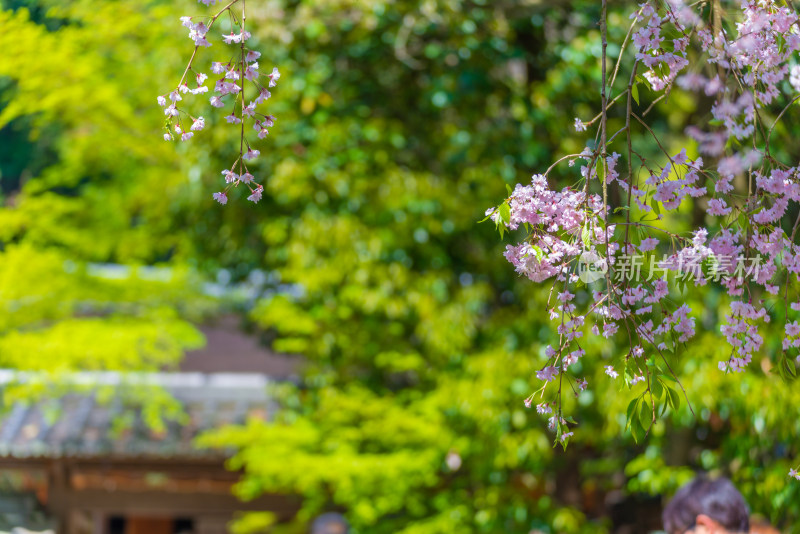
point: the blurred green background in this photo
(398, 124)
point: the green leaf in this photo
(787, 369)
(487, 217)
(790, 367)
(505, 212)
(645, 414)
(656, 208)
(673, 398)
(638, 431)
(663, 408)
(656, 388)
(629, 372)
(683, 289)
(635, 92)
(631, 409)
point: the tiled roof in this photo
(81, 425)
(243, 352)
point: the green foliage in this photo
(397, 122)
(252, 522)
(100, 197)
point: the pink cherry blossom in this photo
(547, 374)
(717, 206)
(648, 244)
(262, 96)
(256, 196)
(230, 176)
(274, 76)
(198, 124)
(251, 72)
(197, 33)
(794, 77)
(792, 329)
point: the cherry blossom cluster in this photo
(230, 92)
(575, 240)
(556, 221)
(663, 59)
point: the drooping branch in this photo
(245, 67)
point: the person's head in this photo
(330, 523)
(707, 506)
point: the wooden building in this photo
(67, 467)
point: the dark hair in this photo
(717, 498)
(330, 523)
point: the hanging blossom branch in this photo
(572, 237)
(243, 65)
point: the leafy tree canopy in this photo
(398, 122)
